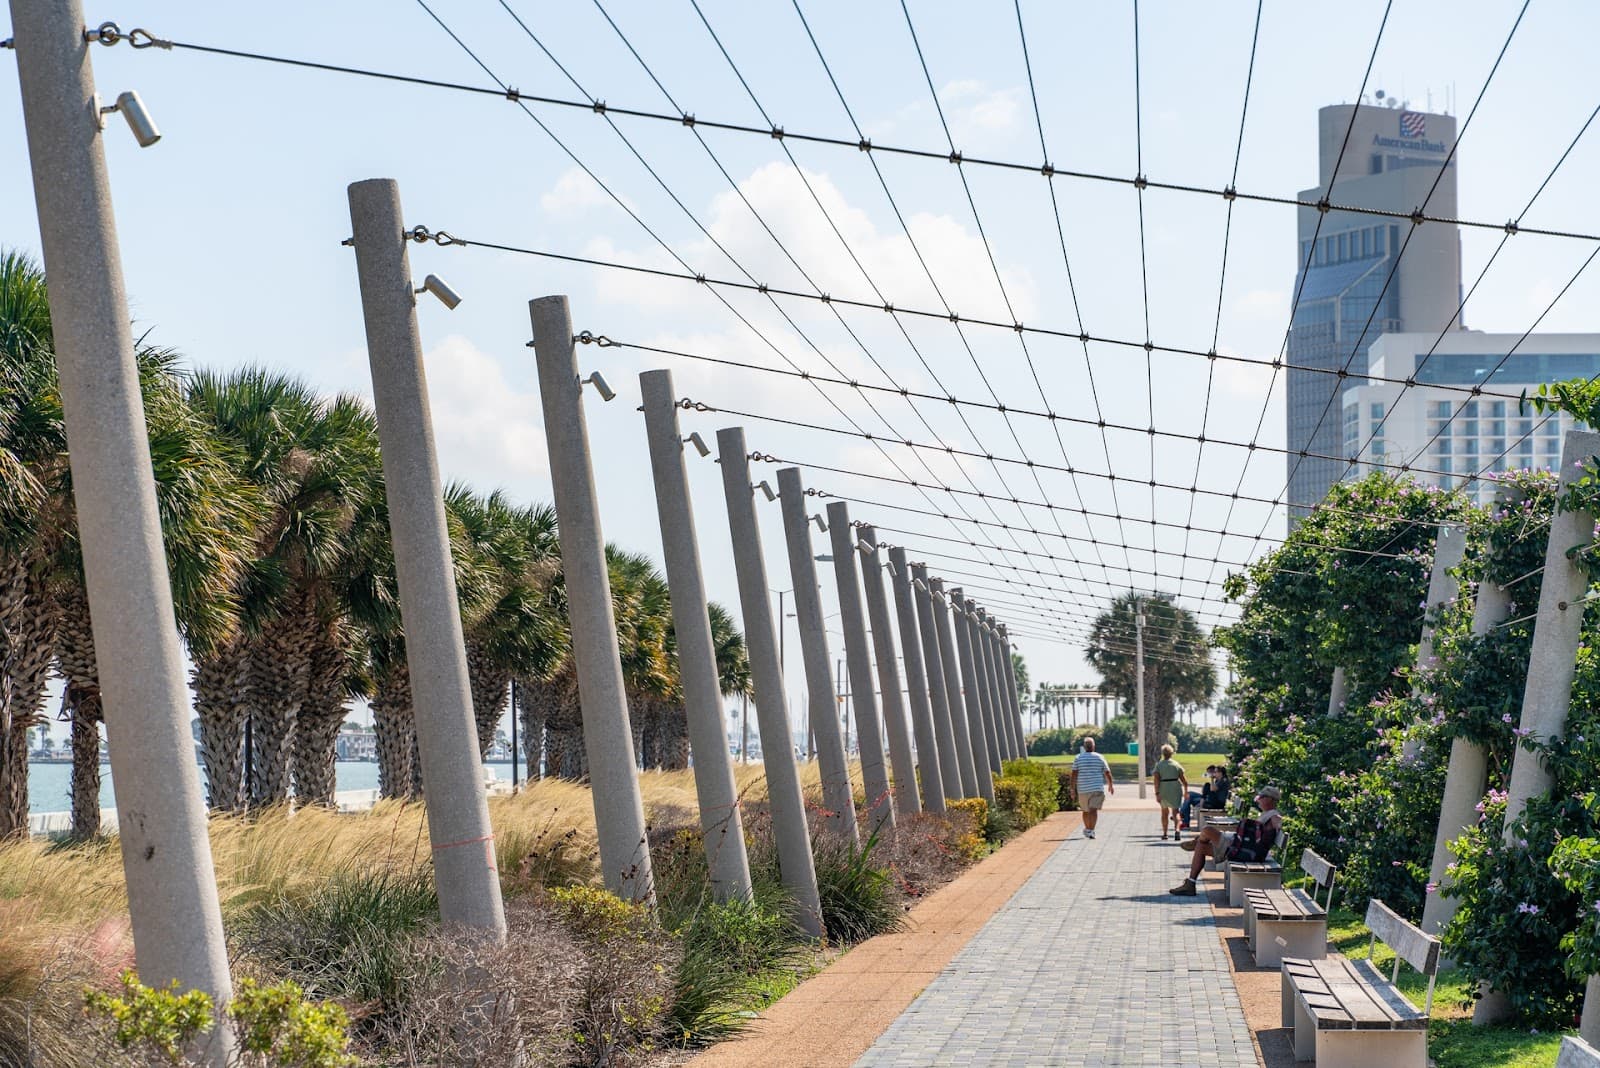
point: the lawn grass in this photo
(1125, 768)
(1452, 1040)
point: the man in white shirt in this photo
(1090, 782)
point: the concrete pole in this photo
(1444, 586)
(1003, 692)
(970, 786)
(465, 868)
(991, 688)
(838, 799)
(166, 856)
(994, 738)
(1009, 678)
(1467, 777)
(874, 773)
(721, 823)
(931, 779)
(795, 862)
(883, 649)
(607, 733)
(938, 694)
(1138, 691)
(1552, 661)
(1337, 693)
(977, 731)
(1589, 1022)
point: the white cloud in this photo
(485, 428)
(574, 193)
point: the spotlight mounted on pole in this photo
(598, 381)
(133, 110)
(822, 524)
(766, 490)
(441, 290)
(699, 443)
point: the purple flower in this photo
(1531, 910)
(1522, 732)
(1430, 888)
(1394, 863)
(1506, 718)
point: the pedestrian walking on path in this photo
(1171, 783)
(1091, 782)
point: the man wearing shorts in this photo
(1090, 782)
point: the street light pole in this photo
(1138, 687)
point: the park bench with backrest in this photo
(1241, 875)
(1282, 923)
(1347, 1014)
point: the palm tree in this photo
(315, 461)
(33, 509)
(1177, 662)
(208, 520)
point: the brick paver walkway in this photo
(1090, 964)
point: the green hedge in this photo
(1027, 791)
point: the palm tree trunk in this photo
(28, 624)
(322, 715)
(490, 684)
(279, 674)
(394, 725)
(675, 735)
(221, 683)
(83, 704)
(534, 698)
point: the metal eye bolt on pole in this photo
(166, 855)
(452, 773)
(607, 735)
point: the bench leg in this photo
(1274, 941)
(1289, 998)
(1305, 1032)
(1365, 1049)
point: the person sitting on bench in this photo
(1251, 842)
(1213, 793)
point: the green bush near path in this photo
(1027, 791)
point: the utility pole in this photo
(933, 795)
(464, 864)
(744, 728)
(721, 824)
(171, 883)
(607, 733)
(1138, 688)
(796, 866)
(896, 733)
(938, 692)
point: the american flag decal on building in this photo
(1413, 124)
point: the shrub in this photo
(1187, 738)
(1027, 790)
(627, 986)
(858, 897)
(727, 949)
(1053, 742)
(925, 851)
(1065, 802)
(350, 939)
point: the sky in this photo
(231, 226)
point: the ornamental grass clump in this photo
(858, 896)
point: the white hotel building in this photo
(1448, 435)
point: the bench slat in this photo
(1276, 905)
(1419, 950)
(1352, 995)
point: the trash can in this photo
(1133, 748)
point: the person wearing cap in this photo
(1251, 842)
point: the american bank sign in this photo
(1413, 129)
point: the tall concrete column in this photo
(931, 778)
(993, 732)
(977, 731)
(869, 731)
(837, 796)
(607, 732)
(464, 863)
(1589, 1022)
(952, 689)
(166, 856)
(1467, 777)
(938, 695)
(1337, 693)
(721, 823)
(795, 863)
(1552, 661)
(1444, 586)
(991, 667)
(883, 649)
(1009, 680)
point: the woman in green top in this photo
(1171, 786)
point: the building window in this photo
(1467, 428)
(1439, 409)
(1377, 410)
(1442, 446)
(1497, 409)
(1469, 410)
(1525, 446)
(1497, 426)
(1444, 464)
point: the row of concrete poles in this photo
(964, 727)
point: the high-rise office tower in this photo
(1354, 284)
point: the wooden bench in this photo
(1347, 1014)
(1203, 817)
(1576, 1053)
(1290, 923)
(1241, 875)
